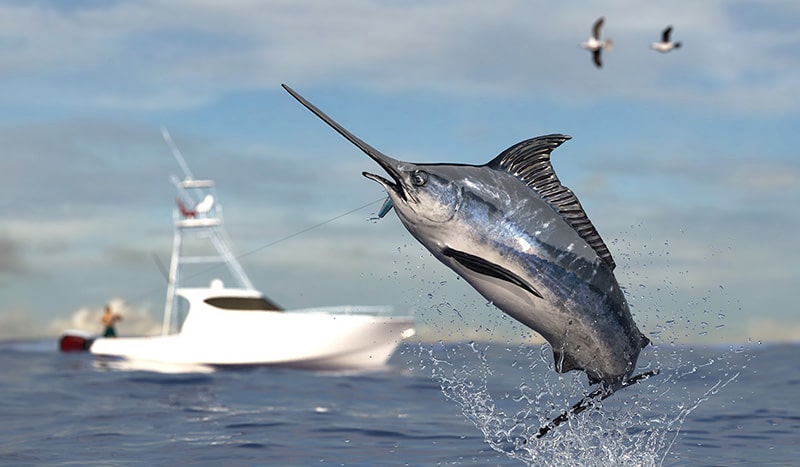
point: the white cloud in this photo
(171, 54)
(12, 260)
(767, 330)
(136, 321)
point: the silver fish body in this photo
(551, 280)
(522, 240)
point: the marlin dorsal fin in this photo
(529, 161)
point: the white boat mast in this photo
(198, 213)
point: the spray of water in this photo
(637, 426)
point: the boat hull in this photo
(315, 341)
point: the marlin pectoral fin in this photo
(487, 268)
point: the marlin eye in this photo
(419, 178)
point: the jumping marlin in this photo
(523, 241)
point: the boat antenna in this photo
(177, 154)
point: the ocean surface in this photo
(465, 404)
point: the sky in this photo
(687, 162)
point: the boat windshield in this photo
(243, 303)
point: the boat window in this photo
(243, 303)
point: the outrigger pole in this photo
(200, 213)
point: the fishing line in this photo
(256, 250)
(283, 239)
(300, 232)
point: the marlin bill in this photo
(523, 241)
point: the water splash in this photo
(636, 426)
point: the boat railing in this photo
(374, 310)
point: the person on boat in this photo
(109, 319)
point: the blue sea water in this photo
(466, 404)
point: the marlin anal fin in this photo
(487, 268)
(530, 162)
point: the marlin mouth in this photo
(395, 186)
(387, 183)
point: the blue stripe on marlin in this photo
(523, 241)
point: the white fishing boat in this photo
(220, 325)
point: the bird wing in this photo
(598, 25)
(596, 58)
(665, 35)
